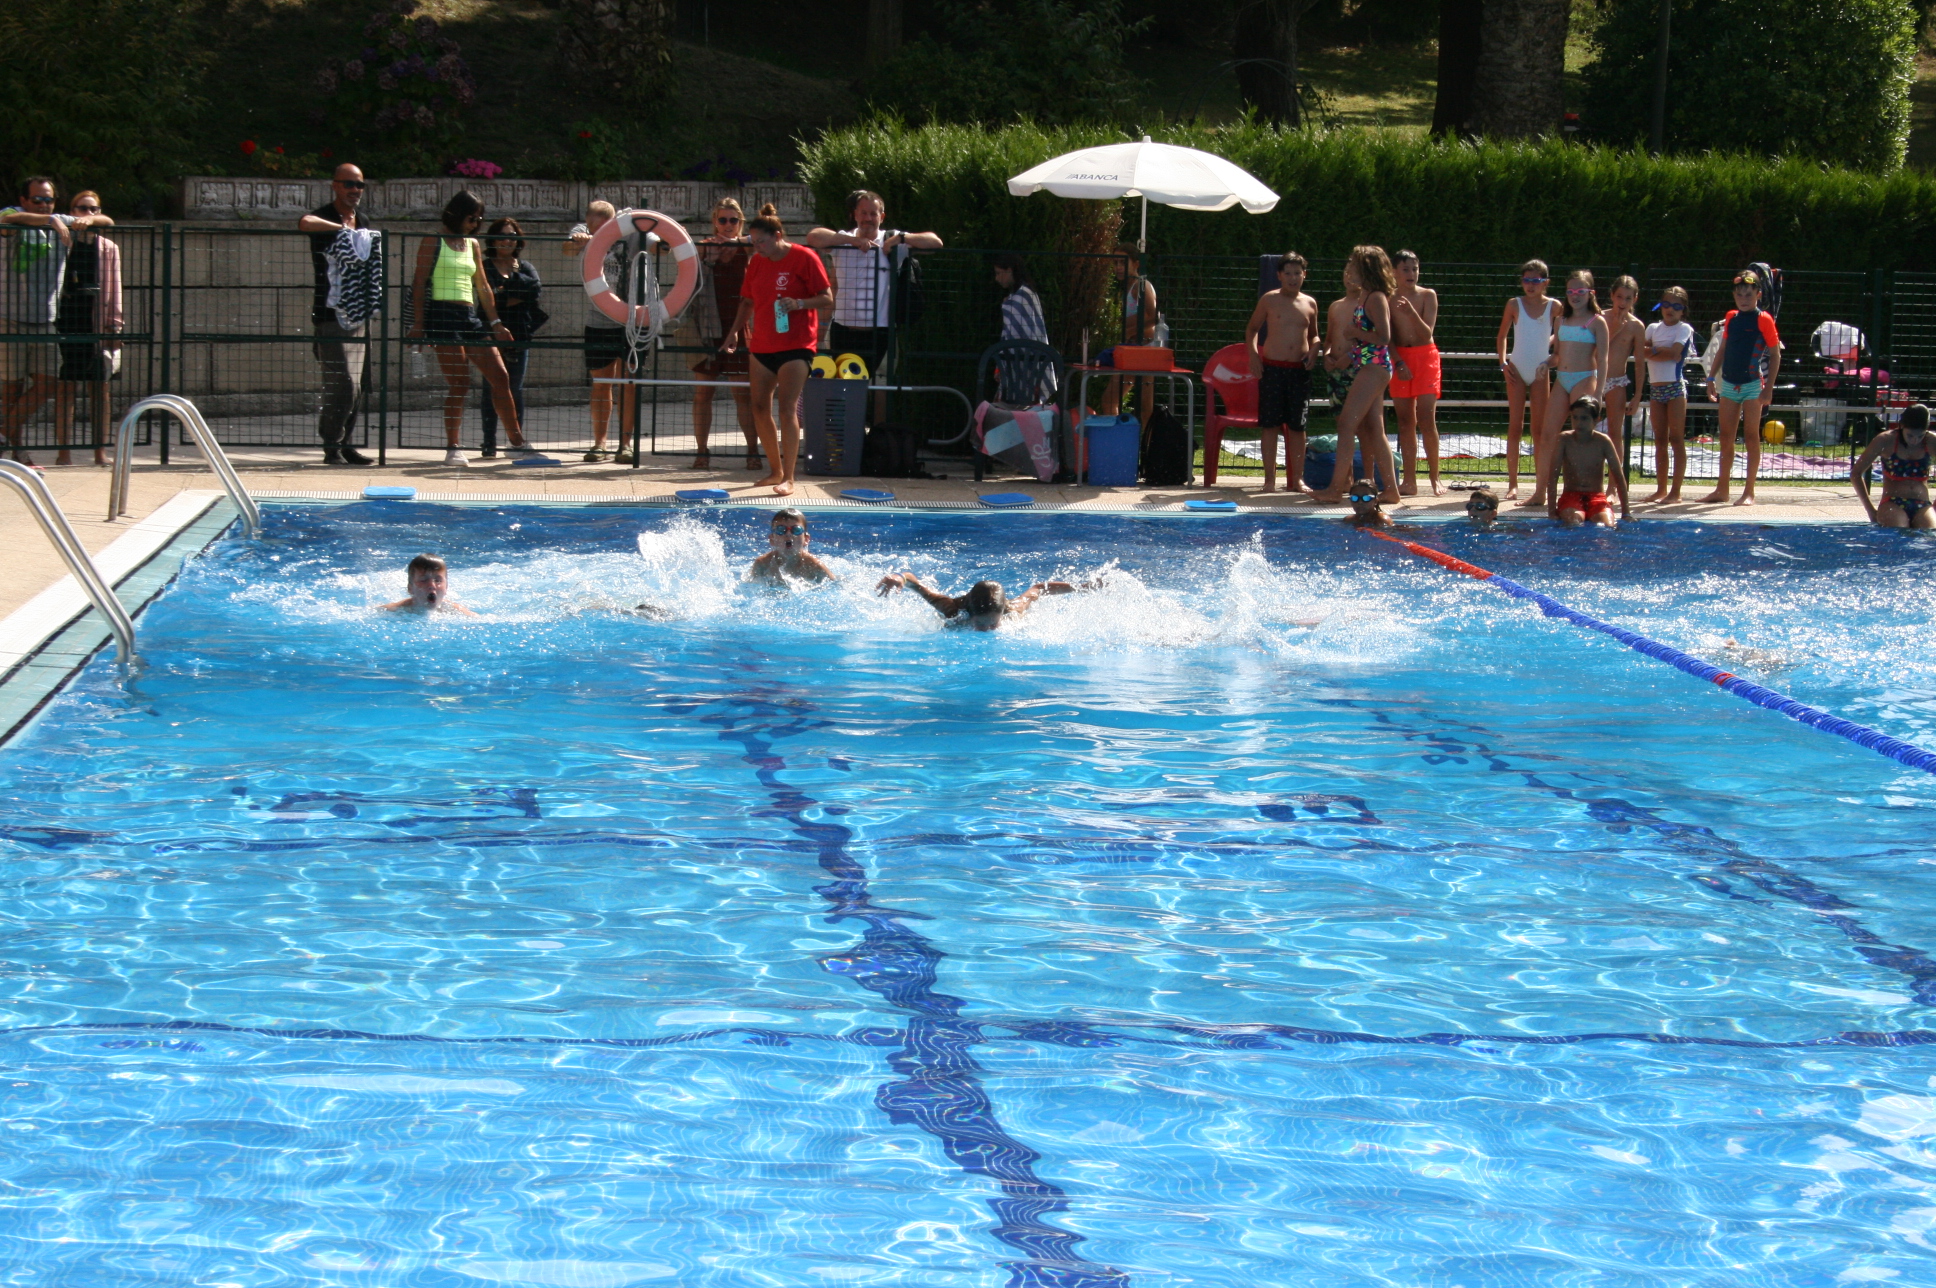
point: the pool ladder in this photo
(218, 460)
(33, 490)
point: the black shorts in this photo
(452, 322)
(1283, 398)
(774, 361)
(604, 345)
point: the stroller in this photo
(1848, 382)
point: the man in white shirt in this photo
(863, 262)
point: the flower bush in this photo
(404, 91)
(475, 169)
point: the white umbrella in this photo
(1172, 176)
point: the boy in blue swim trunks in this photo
(1735, 379)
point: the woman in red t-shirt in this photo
(784, 289)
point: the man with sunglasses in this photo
(342, 350)
(34, 242)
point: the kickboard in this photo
(1211, 507)
(385, 493)
(868, 494)
(540, 462)
(1007, 500)
(703, 494)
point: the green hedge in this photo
(1450, 201)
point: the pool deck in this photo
(82, 492)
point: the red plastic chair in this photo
(1227, 378)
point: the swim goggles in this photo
(1363, 498)
(1669, 304)
(1480, 503)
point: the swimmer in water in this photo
(789, 556)
(429, 581)
(1482, 507)
(1366, 512)
(986, 605)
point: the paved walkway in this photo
(82, 492)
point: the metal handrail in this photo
(33, 490)
(218, 460)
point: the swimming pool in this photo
(800, 941)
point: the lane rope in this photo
(1907, 753)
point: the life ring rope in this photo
(654, 315)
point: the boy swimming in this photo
(429, 580)
(789, 557)
(1583, 457)
(986, 605)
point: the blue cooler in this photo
(1113, 446)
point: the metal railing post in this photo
(218, 460)
(167, 332)
(47, 512)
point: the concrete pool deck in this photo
(82, 492)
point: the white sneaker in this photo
(455, 457)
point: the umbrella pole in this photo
(1142, 236)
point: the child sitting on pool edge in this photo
(788, 556)
(1583, 457)
(429, 580)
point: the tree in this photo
(1265, 50)
(1461, 23)
(1521, 66)
(1050, 61)
(100, 93)
(623, 46)
(1826, 79)
(883, 31)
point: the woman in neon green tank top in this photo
(450, 282)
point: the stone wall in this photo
(207, 198)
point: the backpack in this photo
(1166, 450)
(892, 452)
(1770, 280)
(910, 301)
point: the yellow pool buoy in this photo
(1774, 432)
(851, 367)
(823, 367)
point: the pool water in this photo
(798, 940)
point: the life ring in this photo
(685, 255)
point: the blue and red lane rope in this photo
(1875, 740)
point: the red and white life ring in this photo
(685, 255)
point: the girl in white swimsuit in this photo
(1529, 321)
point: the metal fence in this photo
(222, 315)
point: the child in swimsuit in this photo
(1529, 321)
(1667, 346)
(1367, 340)
(1747, 349)
(1416, 380)
(1579, 367)
(1580, 462)
(1905, 473)
(1624, 334)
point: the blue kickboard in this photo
(384, 493)
(538, 461)
(1211, 507)
(868, 494)
(703, 494)
(1007, 500)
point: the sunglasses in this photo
(42, 201)
(89, 210)
(349, 183)
(725, 219)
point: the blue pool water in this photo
(799, 941)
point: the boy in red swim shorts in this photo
(1416, 382)
(1585, 457)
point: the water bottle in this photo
(416, 364)
(1162, 335)
(782, 322)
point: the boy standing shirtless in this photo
(1625, 334)
(1282, 369)
(1584, 457)
(1416, 380)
